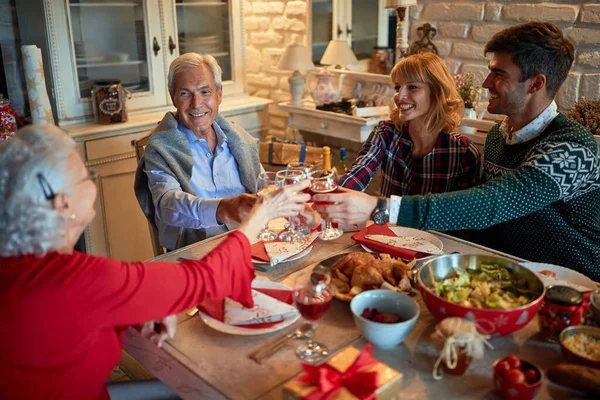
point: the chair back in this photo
(140, 146)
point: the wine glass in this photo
(307, 168)
(312, 296)
(325, 181)
(288, 177)
(265, 183)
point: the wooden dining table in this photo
(203, 363)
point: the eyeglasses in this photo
(47, 189)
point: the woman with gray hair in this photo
(63, 312)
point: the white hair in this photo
(29, 224)
(194, 60)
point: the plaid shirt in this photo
(453, 164)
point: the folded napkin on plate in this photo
(216, 308)
(278, 251)
(414, 243)
(361, 237)
(266, 309)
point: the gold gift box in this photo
(279, 153)
(389, 378)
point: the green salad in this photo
(491, 287)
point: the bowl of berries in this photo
(517, 379)
(385, 318)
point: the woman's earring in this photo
(73, 216)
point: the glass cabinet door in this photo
(365, 15)
(322, 27)
(203, 26)
(109, 43)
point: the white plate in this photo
(237, 330)
(401, 231)
(564, 276)
(292, 258)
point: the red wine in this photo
(322, 188)
(312, 308)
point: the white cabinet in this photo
(133, 41)
(363, 23)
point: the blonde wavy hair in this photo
(447, 106)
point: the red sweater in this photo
(60, 314)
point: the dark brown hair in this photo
(536, 48)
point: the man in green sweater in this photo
(540, 199)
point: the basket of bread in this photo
(356, 272)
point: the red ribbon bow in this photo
(356, 379)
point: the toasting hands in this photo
(286, 201)
(349, 206)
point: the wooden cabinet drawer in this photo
(111, 146)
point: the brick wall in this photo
(272, 25)
(465, 26)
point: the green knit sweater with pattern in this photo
(542, 198)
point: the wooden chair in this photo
(140, 146)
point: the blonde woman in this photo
(417, 149)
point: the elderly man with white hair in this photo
(197, 170)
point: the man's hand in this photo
(351, 206)
(167, 326)
(235, 209)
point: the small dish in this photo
(517, 391)
(385, 335)
(595, 306)
(577, 357)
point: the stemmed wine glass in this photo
(307, 168)
(288, 177)
(265, 183)
(312, 296)
(325, 181)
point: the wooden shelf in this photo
(327, 123)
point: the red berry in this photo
(515, 376)
(513, 361)
(502, 368)
(531, 376)
(367, 313)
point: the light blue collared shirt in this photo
(214, 177)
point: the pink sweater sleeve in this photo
(105, 292)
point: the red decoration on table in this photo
(357, 379)
(216, 309)
(384, 248)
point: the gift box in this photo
(350, 374)
(282, 153)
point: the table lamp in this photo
(296, 58)
(401, 7)
(338, 52)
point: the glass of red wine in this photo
(288, 177)
(312, 296)
(324, 181)
(265, 183)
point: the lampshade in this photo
(399, 3)
(338, 52)
(296, 58)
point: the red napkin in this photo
(384, 248)
(216, 309)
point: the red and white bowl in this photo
(491, 322)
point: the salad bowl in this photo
(495, 322)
